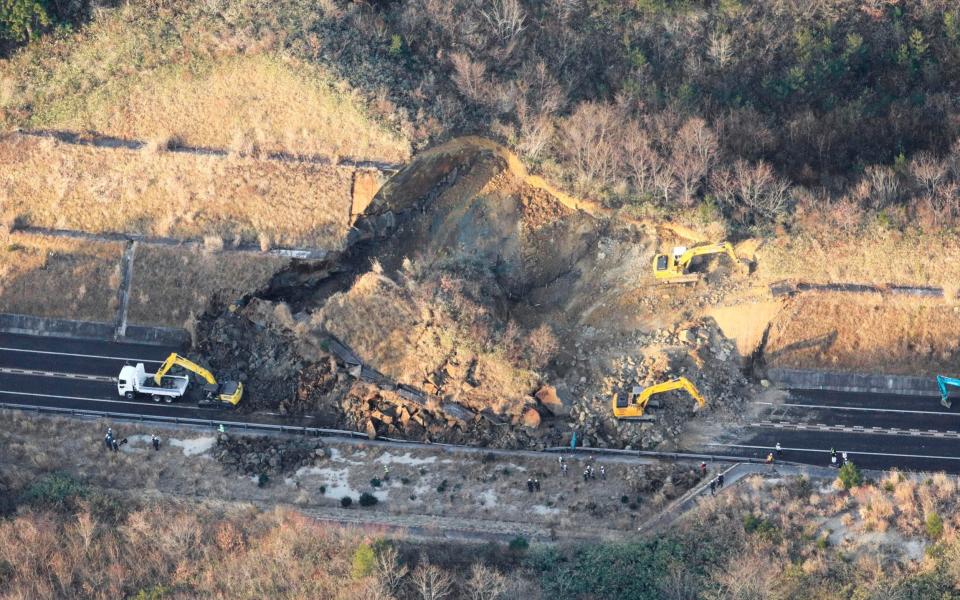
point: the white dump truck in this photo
(135, 381)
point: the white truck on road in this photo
(135, 381)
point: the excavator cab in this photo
(676, 267)
(633, 405)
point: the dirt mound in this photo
(266, 455)
(465, 202)
(470, 285)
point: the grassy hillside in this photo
(55, 277)
(50, 184)
(193, 75)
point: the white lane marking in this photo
(30, 372)
(873, 431)
(852, 452)
(127, 358)
(868, 409)
(15, 393)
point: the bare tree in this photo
(390, 571)
(470, 77)
(884, 186)
(641, 161)
(665, 182)
(506, 18)
(721, 48)
(693, 153)
(432, 582)
(485, 583)
(588, 141)
(750, 575)
(928, 171)
(751, 190)
(541, 345)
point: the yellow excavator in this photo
(228, 392)
(634, 404)
(675, 268)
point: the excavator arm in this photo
(943, 383)
(634, 407)
(229, 392)
(724, 247)
(176, 360)
(674, 269)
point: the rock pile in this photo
(695, 350)
(251, 455)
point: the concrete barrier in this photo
(90, 330)
(805, 379)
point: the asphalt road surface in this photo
(879, 431)
(81, 375)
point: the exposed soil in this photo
(475, 287)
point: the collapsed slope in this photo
(472, 283)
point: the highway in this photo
(81, 375)
(878, 430)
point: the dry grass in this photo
(877, 256)
(266, 102)
(195, 74)
(172, 284)
(50, 184)
(55, 277)
(836, 330)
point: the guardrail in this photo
(353, 435)
(213, 423)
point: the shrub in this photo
(760, 527)
(262, 480)
(934, 526)
(57, 490)
(850, 476)
(323, 489)
(375, 482)
(367, 499)
(519, 544)
(624, 499)
(346, 501)
(157, 592)
(364, 560)
(442, 487)
(396, 45)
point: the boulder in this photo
(531, 418)
(554, 400)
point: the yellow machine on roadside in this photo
(634, 404)
(675, 268)
(228, 392)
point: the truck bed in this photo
(170, 385)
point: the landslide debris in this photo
(473, 304)
(265, 455)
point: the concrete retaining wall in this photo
(30, 325)
(803, 379)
